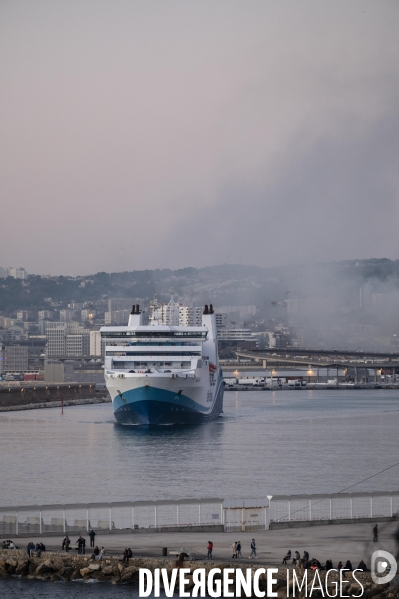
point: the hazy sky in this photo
(141, 134)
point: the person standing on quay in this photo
(92, 534)
(234, 549)
(210, 548)
(253, 549)
(375, 532)
(238, 554)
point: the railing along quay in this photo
(270, 512)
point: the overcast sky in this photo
(141, 134)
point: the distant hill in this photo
(222, 285)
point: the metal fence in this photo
(233, 514)
(111, 516)
(342, 506)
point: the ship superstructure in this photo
(163, 373)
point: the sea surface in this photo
(266, 443)
(35, 589)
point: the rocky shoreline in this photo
(61, 567)
(57, 404)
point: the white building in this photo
(45, 314)
(221, 320)
(17, 273)
(119, 303)
(242, 310)
(77, 343)
(165, 313)
(176, 314)
(67, 339)
(23, 315)
(76, 305)
(117, 317)
(235, 334)
(96, 348)
(66, 315)
(190, 316)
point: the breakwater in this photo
(56, 404)
(61, 567)
(41, 395)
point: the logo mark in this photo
(383, 567)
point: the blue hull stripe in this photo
(151, 405)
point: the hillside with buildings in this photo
(351, 304)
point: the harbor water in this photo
(265, 443)
(21, 589)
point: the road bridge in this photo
(280, 360)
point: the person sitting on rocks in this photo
(315, 564)
(42, 547)
(125, 559)
(340, 566)
(348, 565)
(129, 553)
(101, 554)
(362, 566)
(329, 565)
(95, 553)
(295, 558)
(287, 557)
(38, 550)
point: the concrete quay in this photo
(338, 543)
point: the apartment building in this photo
(15, 358)
(190, 316)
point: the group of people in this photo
(8, 544)
(32, 549)
(98, 553)
(81, 543)
(313, 564)
(127, 554)
(235, 549)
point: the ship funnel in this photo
(133, 309)
(211, 309)
(206, 311)
(137, 309)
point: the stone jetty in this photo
(58, 567)
(56, 404)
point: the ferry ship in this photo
(160, 374)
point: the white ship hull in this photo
(162, 400)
